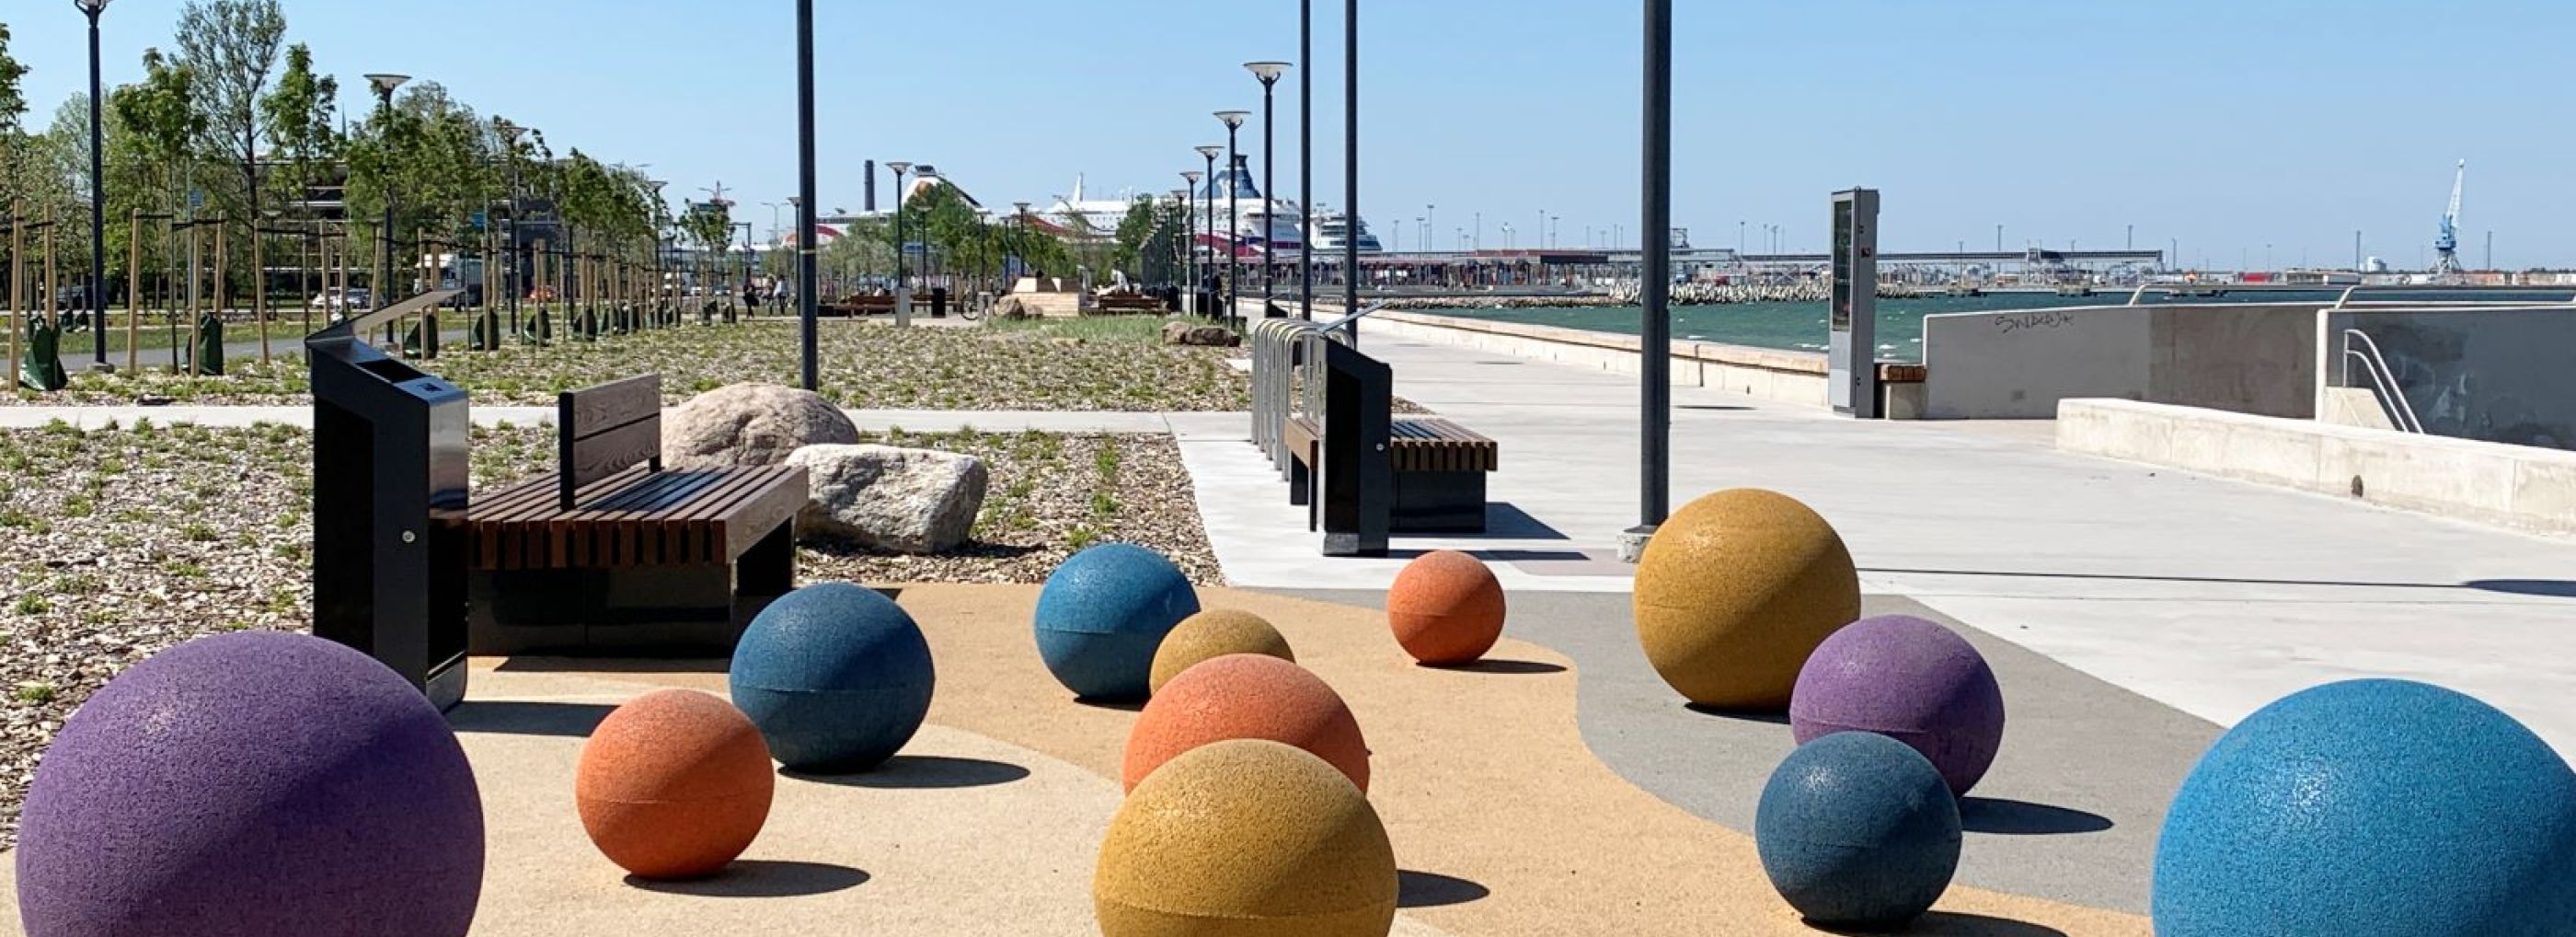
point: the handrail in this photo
(2383, 379)
(2136, 297)
(2346, 298)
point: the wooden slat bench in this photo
(612, 554)
(1440, 470)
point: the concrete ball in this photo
(837, 677)
(1857, 830)
(673, 785)
(1246, 838)
(1446, 608)
(2371, 808)
(1910, 680)
(1246, 696)
(1733, 593)
(1212, 634)
(1103, 614)
(248, 785)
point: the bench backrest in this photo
(601, 431)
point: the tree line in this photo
(232, 122)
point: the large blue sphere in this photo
(254, 783)
(2369, 808)
(1858, 830)
(1104, 613)
(836, 676)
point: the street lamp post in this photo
(385, 85)
(805, 258)
(1351, 166)
(1655, 282)
(1269, 73)
(1210, 151)
(1233, 121)
(1306, 161)
(902, 296)
(97, 198)
(1190, 218)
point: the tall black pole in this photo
(97, 209)
(806, 311)
(1655, 356)
(1306, 159)
(1269, 195)
(1233, 227)
(1210, 230)
(385, 231)
(1351, 164)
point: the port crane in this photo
(2447, 247)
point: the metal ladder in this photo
(2383, 379)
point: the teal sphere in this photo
(1858, 830)
(837, 677)
(1104, 613)
(2372, 808)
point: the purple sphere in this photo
(255, 783)
(1910, 680)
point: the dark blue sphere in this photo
(836, 676)
(247, 785)
(1858, 830)
(1104, 613)
(2370, 808)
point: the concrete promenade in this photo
(2210, 596)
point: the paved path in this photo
(2211, 596)
(2069, 812)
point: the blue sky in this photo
(2227, 126)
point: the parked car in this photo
(331, 301)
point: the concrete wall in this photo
(1797, 377)
(2496, 374)
(2244, 357)
(2514, 486)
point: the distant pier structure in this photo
(1571, 267)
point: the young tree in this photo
(13, 113)
(300, 114)
(163, 123)
(232, 46)
(1133, 231)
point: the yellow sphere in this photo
(1735, 591)
(1245, 838)
(1211, 634)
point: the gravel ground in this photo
(120, 543)
(1070, 365)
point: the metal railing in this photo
(2383, 379)
(1277, 351)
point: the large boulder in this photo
(750, 425)
(892, 498)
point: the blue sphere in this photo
(836, 676)
(1858, 830)
(1104, 613)
(2368, 808)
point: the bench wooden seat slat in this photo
(610, 504)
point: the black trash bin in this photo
(939, 302)
(390, 477)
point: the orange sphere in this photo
(1446, 607)
(1246, 696)
(674, 784)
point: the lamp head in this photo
(91, 7)
(1211, 151)
(1268, 72)
(900, 167)
(386, 83)
(1193, 176)
(1233, 119)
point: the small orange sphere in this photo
(1246, 696)
(1446, 607)
(674, 784)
